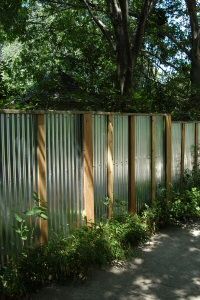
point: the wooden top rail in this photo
(185, 122)
(39, 112)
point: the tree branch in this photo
(161, 60)
(100, 25)
(178, 44)
(142, 23)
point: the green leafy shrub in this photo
(24, 273)
(191, 179)
(158, 215)
(72, 256)
(186, 205)
(180, 206)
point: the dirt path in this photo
(168, 267)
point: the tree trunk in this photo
(127, 47)
(195, 53)
(125, 43)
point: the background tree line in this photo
(122, 55)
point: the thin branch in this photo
(161, 60)
(178, 44)
(101, 25)
(67, 5)
(139, 34)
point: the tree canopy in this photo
(139, 55)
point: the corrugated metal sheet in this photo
(100, 165)
(143, 160)
(18, 173)
(121, 145)
(18, 166)
(189, 146)
(160, 153)
(176, 153)
(64, 171)
(198, 146)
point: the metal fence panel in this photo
(198, 145)
(121, 145)
(100, 165)
(64, 150)
(189, 146)
(64, 171)
(160, 153)
(143, 160)
(176, 154)
(18, 173)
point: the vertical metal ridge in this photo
(121, 152)
(189, 146)
(64, 164)
(143, 161)
(176, 154)
(160, 154)
(99, 164)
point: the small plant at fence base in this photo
(24, 230)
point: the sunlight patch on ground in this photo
(154, 242)
(193, 249)
(180, 293)
(138, 261)
(145, 283)
(195, 232)
(196, 281)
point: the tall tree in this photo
(123, 24)
(126, 35)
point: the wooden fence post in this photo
(110, 167)
(88, 180)
(182, 151)
(168, 154)
(132, 154)
(153, 158)
(42, 185)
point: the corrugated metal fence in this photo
(185, 149)
(76, 161)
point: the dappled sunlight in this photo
(195, 232)
(196, 280)
(167, 267)
(138, 261)
(154, 242)
(193, 249)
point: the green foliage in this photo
(24, 273)
(46, 45)
(178, 207)
(158, 215)
(186, 205)
(191, 179)
(23, 228)
(72, 256)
